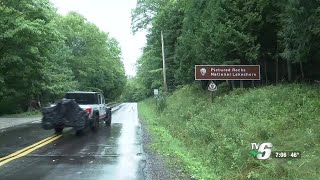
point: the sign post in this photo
(156, 92)
(212, 87)
(156, 95)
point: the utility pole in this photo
(163, 67)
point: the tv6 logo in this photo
(264, 150)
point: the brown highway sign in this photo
(227, 72)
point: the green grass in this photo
(24, 114)
(212, 140)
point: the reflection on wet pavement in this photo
(110, 153)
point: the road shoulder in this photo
(157, 166)
(10, 122)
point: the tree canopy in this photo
(43, 55)
(280, 36)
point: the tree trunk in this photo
(265, 70)
(277, 69)
(228, 83)
(241, 84)
(39, 102)
(289, 70)
(232, 84)
(301, 70)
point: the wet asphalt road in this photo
(113, 153)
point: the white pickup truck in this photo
(94, 104)
(78, 110)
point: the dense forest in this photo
(282, 36)
(44, 54)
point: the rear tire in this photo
(79, 132)
(58, 130)
(108, 120)
(95, 123)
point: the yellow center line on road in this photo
(28, 149)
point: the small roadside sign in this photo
(212, 87)
(156, 92)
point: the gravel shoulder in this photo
(157, 166)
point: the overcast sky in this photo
(113, 16)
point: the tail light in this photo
(88, 110)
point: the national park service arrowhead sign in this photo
(212, 87)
